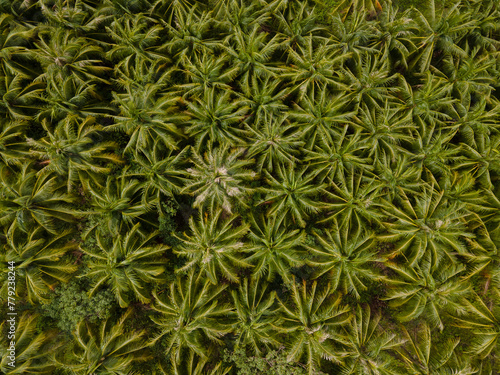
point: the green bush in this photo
(71, 303)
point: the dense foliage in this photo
(251, 187)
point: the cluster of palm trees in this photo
(336, 176)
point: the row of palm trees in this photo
(334, 178)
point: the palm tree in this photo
(219, 179)
(189, 31)
(351, 35)
(215, 118)
(191, 316)
(347, 256)
(120, 202)
(251, 52)
(147, 117)
(421, 290)
(322, 116)
(126, 264)
(135, 43)
(433, 153)
(61, 55)
(292, 193)
(264, 97)
(384, 130)
(484, 320)
(428, 101)
(297, 23)
(14, 38)
(12, 149)
(469, 75)
(345, 152)
(396, 35)
(355, 200)
(255, 311)
(239, 14)
(274, 247)
(369, 82)
(69, 97)
(483, 162)
(398, 177)
(195, 365)
(204, 72)
(368, 347)
(311, 320)
(213, 247)
(32, 347)
(161, 171)
(107, 349)
(21, 98)
(427, 228)
(78, 16)
(313, 67)
(39, 267)
(440, 32)
(423, 356)
(28, 200)
(70, 150)
(476, 121)
(274, 140)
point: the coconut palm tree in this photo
(135, 43)
(213, 247)
(292, 193)
(331, 160)
(28, 200)
(314, 67)
(384, 130)
(38, 263)
(427, 228)
(32, 348)
(204, 72)
(421, 290)
(398, 177)
(161, 171)
(347, 256)
(215, 119)
(274, 140)
(440, 32)
(422, 355)
(368, 348)
(189, 32)
(312, 319)
(274, 247)
(396, 35)
(120, 204)
(61, 54)
(191, 316)
(251, 51)
(485, 322)
(354, 200)
(12, 148)
(322, 116)
(219, 179)
(72, 151)
(298, 22)
(69, 97)
(126, 264)
(21, 97)
(483, 162)
(147, 117)
(106, 349)
(264, 97)
(254, 305)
